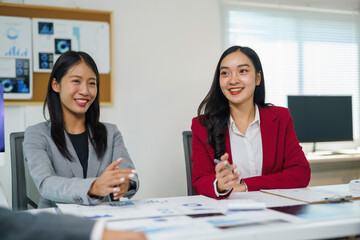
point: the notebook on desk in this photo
(319, 194)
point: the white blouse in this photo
(246, 150)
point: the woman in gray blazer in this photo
(73, 157)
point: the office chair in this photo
(187, 140)
(24, 192)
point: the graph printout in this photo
(15, 57)
(53, 37)
(155, 207)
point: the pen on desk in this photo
(228, 166)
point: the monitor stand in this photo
(314, 147)
(321, 153)
(350, 152)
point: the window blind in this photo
(303, 51)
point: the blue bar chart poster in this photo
(16, 57)
(53, 37)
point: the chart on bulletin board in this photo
(53, 37)
(15, 57)
(33, 37)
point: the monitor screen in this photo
(322, 118)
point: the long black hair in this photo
(96, 130)
(215, 106)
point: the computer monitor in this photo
(2, 129)
(322, 118)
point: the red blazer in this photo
(284, 162)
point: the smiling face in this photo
(238, 79)
(77, 90)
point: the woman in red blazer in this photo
(240, 143)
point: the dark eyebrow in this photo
(78, 76)
(75, 76)
(239, 66)
(243, 65)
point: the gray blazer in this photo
(61, 180)
(43, 226)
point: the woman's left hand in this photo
(124, 187)
(124, 183)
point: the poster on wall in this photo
(53, 37)
(15, 57)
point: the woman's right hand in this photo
(226, 177)
(110, 179)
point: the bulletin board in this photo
(40, 79)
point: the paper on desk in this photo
(341, 188)
(146, 208)
(312, 194)
(319, 211)
(245, 205)
(248, 218)
(269, 200)
(179, 227)
(42, 210)
(185, 227)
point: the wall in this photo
(165, 53)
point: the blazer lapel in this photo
(93, 162)
(269, 125)
(75, 164)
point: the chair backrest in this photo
(187, 140)
(24, 192)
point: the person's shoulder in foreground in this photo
(23, 225)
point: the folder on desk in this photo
(321, 194)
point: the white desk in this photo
(313, 158)
(324, 229)
(263, 224)
(334, 169)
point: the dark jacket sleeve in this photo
(23, 225)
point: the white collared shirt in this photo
(246, 150)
